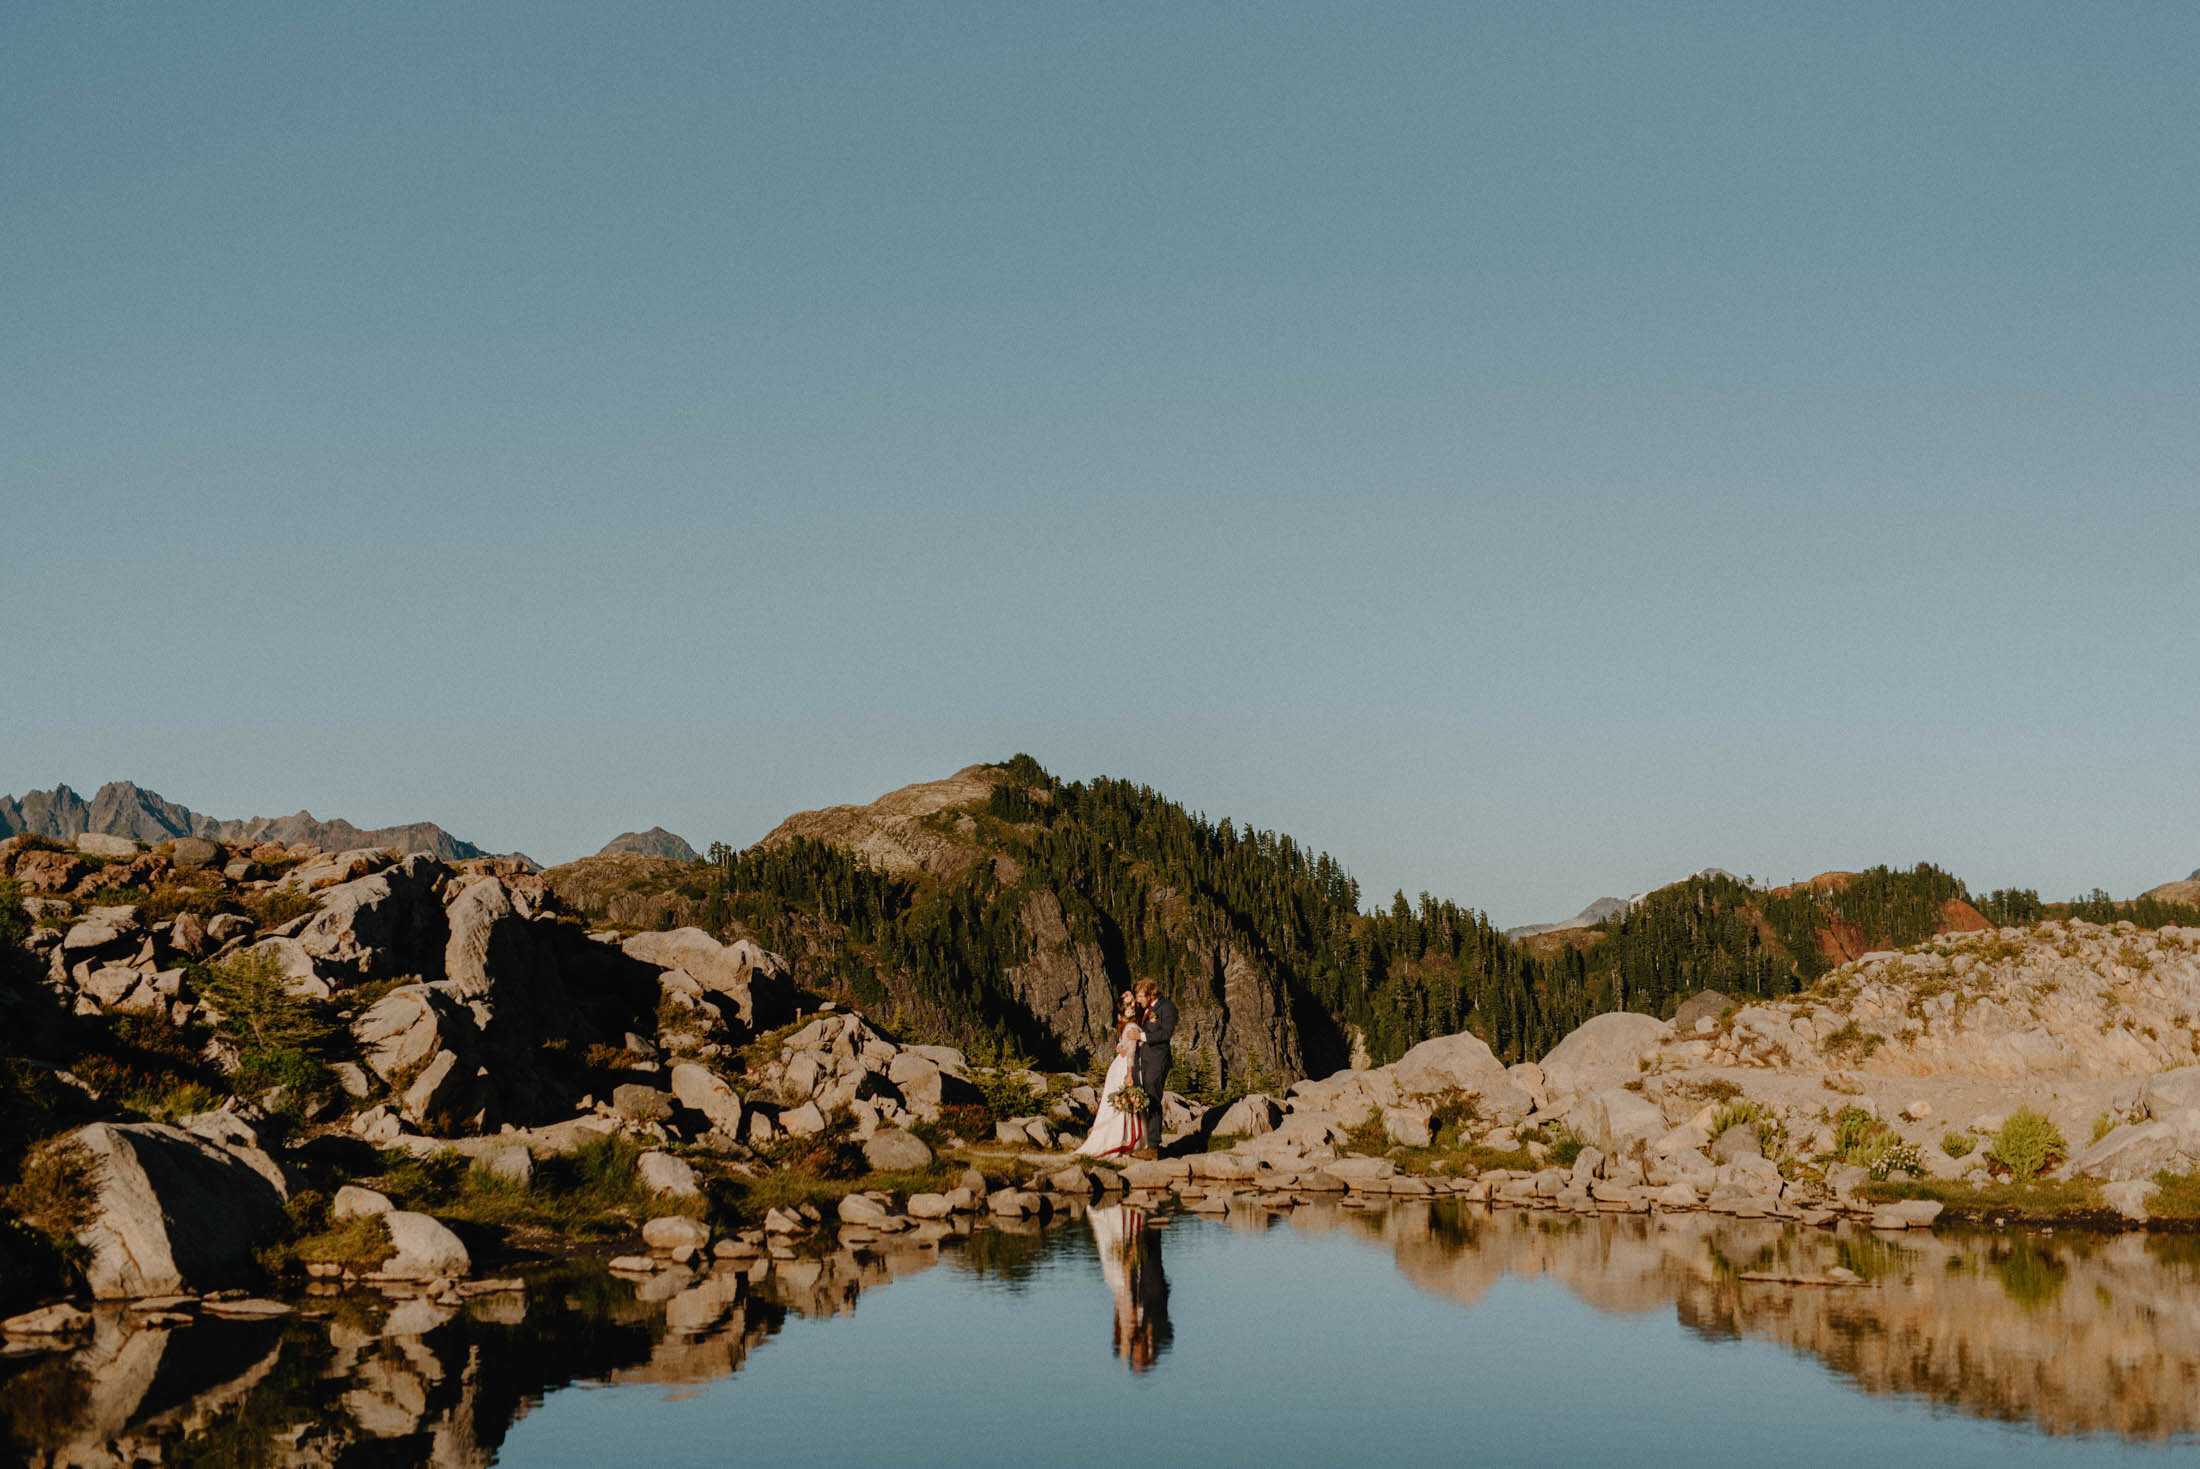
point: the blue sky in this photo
(1529, 451)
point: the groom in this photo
(1150, 1067)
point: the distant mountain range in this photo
(1588, 917)
(121, 808)
(1604, 908)
(656, 842)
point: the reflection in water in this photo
(1129, 1245)
(2069, 1333)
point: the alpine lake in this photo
(1328, 1334)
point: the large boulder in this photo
(1248, 1116)
(2168, 1093)
(927, 1085)
(108, 930)
(894, 1150)
(757, 983)
(1603, 1051)
(331, 869)
(1615, 1121)
(702, 1090)
(2140, 1150)
(662, 1173)
(388, 923)
(488, 937)
(402, 1031)
(99, 844)
(189, 854)
(174, 1211)
(1702, 1005)
(1465, 1063)
(424, 1248)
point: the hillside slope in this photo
(655, 842)
(1002, 906)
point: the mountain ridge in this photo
(123, 808)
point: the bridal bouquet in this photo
(1131, 1101)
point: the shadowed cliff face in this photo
(2066, 1334)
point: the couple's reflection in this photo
(1130, 1259)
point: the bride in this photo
(1116, 1133)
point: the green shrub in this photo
(273, 907)
(1957, 1144)
(1863, 1140)
(56, 1192)
(2026, 1144)
(1851, 1044)
(1565, 1147)
(279, 1036)
(1449, 1116)
(1742, 1112)
(1369, 1134)
(360, 1242)
(1854, 1131)
(1006, 1092)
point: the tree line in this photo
(1155, 887)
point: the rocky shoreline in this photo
(471, 1077)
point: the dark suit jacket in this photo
(1151, 1066)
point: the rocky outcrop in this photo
(1404, 1094)
(1604, 1051)
(388, 923)
(174, 1211)
(629, 889)
(752, 985)
(655, 842)
(918, 830)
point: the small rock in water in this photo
(55, 1320)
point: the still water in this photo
(1330, 1335)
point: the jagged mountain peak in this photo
(124, 808)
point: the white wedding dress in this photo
(1114, 1132)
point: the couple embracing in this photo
(1128, 1122)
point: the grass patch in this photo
(742, 1201)
(2060, 1198)
(1851, 1045)
(1565, 1147)
(1710, 1091)
(2177, 1196)
(593, 1192)
(1368, 1135)
(143, 1064)
(274, 907)
(1461, 1162)
(358, 1243)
